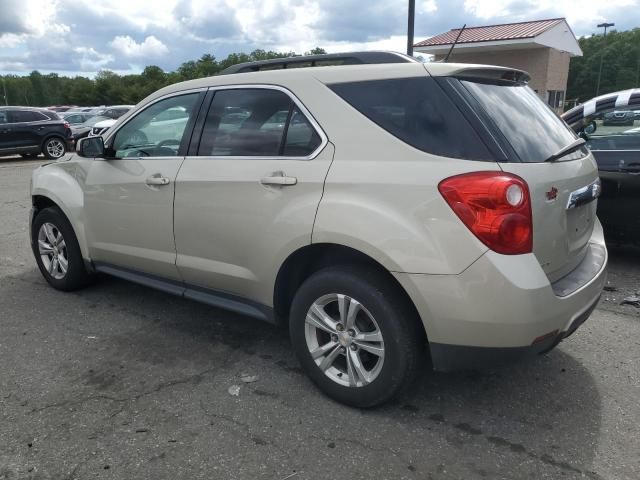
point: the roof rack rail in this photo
(347, 58)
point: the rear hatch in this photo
(562, 187)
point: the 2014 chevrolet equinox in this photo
(375, 209)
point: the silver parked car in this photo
(373, 209)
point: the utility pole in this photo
(410, 25)
(4, 89)
(604, 25)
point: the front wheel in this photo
(355, 335)
(57, 252)
(54, 148)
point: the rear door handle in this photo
(279, 179)
(157, 179)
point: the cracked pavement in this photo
(122, 382)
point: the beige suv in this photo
(373, 209)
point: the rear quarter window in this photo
(418, 112)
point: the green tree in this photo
(620, 55)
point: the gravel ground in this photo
(122, 382)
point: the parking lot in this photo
(120, 381)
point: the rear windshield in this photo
(532, 129)
(418, 112)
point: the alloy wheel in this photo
(55, 148)
(344, 340)
(53, 251)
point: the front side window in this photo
(418, 112)
(150, 134)
(615, 129)
(256, 122)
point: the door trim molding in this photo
(215, 298)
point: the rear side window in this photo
(418, 112)
(255, 122)
(23, 116)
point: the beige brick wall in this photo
(558, 73)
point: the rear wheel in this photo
(355, 335)
(54, 148)
(57, 252)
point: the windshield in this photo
(93, 120)
(532, 129)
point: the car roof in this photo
(328, 74)
(35, 109)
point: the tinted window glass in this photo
(148, 135)
(534, 131)
(245, 122)
(20, 116)
(302, 139)
(418, 112)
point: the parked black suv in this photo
(31, 131)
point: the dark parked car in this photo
(31, 131)
(616, 149)
(618, 117)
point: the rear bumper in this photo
(503, 307)
(458, 357)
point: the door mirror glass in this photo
(90, 147)
(590, 128)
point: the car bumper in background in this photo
(503, 307)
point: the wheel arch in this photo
(41, 199)
(309, 259)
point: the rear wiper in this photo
(572, 147)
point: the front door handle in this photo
(157, 179)
(278, 179)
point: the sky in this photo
(81, 37)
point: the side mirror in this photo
(90, 147)
(590, 128)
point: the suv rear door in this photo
(530, 134)
(247, 193)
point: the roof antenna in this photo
(444, 60)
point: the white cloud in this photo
(150, 47)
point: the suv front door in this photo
(129, 193)
(247, 194)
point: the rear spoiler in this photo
(478, 72)
(507, 74)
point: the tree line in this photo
(109, 88)
(619, 53)
(620, 56)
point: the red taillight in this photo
(495, 206)
(67, 126)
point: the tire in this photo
(52, 240)
(53, 148)
(383, 313)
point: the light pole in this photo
(4, 89)
(410, 25)
(604, 25)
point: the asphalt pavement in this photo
(122, 382)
